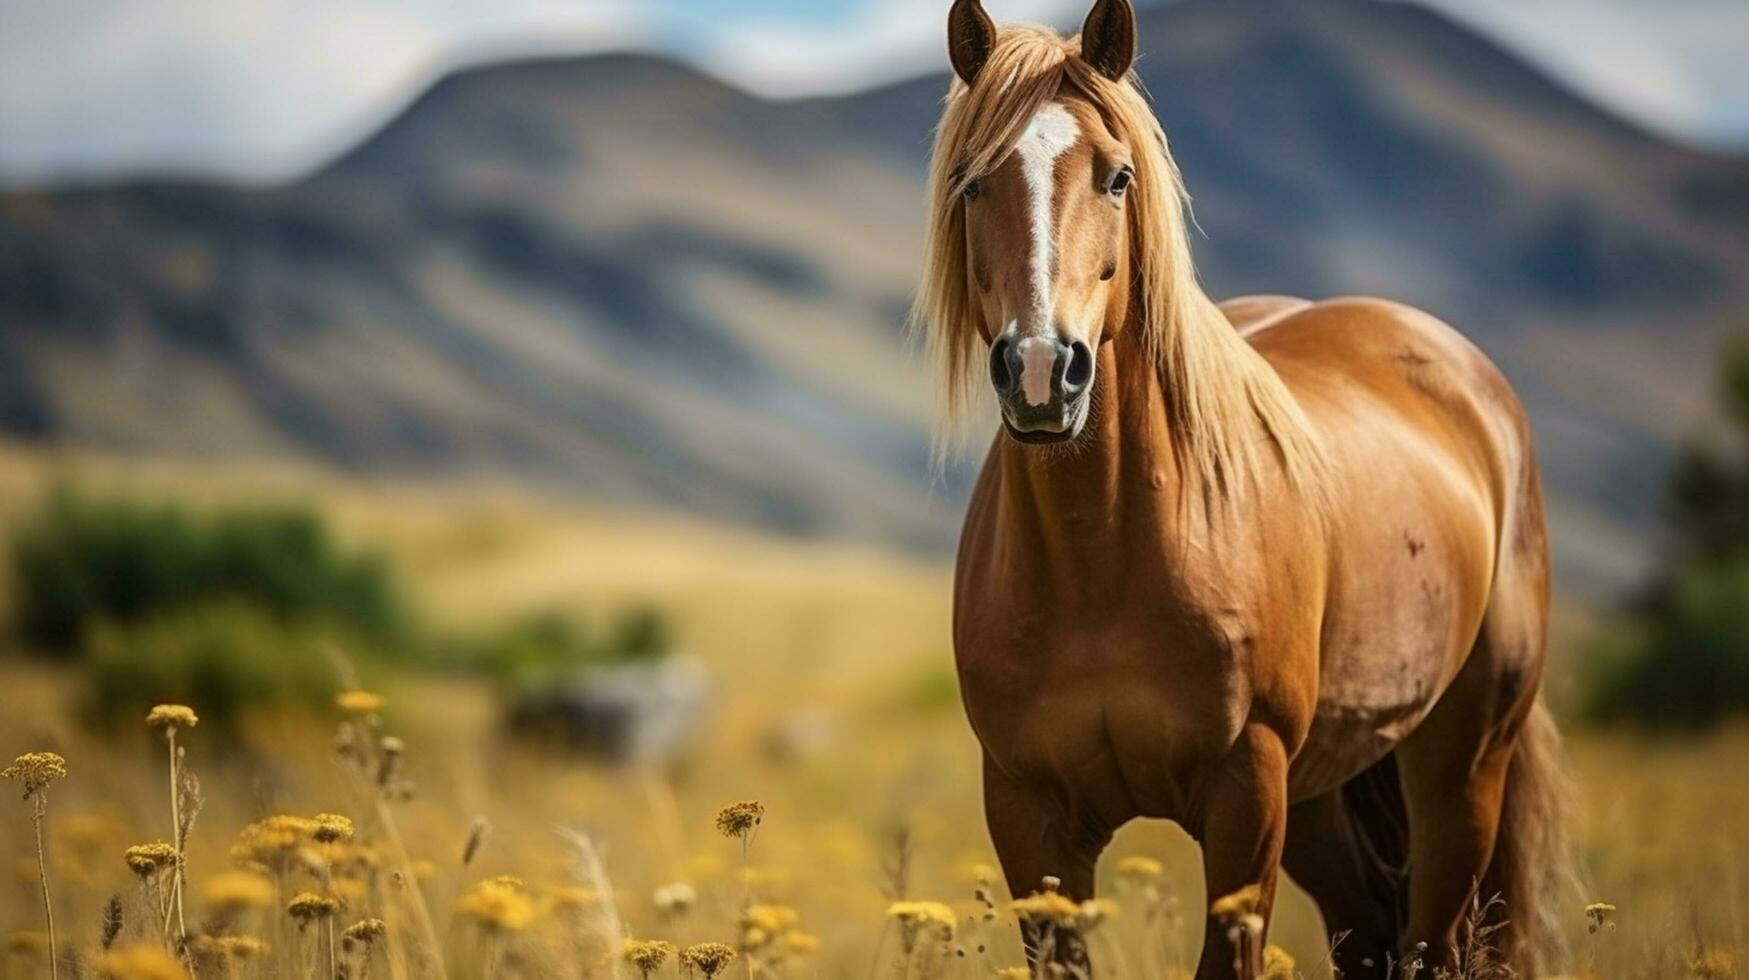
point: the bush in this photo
(540, 649)
(1682, 657)
(1685, 664)
(226, 658)
(86, 560)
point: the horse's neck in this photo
(1118, 483)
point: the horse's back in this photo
(1435, 513)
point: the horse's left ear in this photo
(1108, 38)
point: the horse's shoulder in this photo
(1248, 313)
(1367, 335)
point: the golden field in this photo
(878, 801)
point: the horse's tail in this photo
(1533, 869)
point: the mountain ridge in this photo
(623, 278)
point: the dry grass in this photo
(529, 864)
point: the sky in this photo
(264, 90)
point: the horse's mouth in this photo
(1048, 425)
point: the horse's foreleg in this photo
(1035, 839)
(1242, 820)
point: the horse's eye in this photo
(1120, 181)
(972, 190)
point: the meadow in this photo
(397, 830)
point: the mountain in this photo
(616, 277)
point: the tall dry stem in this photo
(38, 815)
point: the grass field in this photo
(875, 799)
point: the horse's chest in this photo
(1112, 721)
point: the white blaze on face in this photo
(1051, 133)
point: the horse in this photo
(1274, 569)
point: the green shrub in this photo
(539, 649)
(85, 560)
(1683, 664)
(227, 658)
(1681, 656)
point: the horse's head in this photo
(1046, 249)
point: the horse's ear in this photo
(971, 36)
(1108, 38)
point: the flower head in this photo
(922, 913)
(147, 860)
(1277, 964)
(1599, 913)
(1229, 909)
(359, 702)
(36, 770)
(141, 961)
(307, 907)
(331, 828)
(236, 890)
(1139, 868)
(496, 906)
(1047, 907)
(172, 717)
(707, 958)
(647, 955)
(741, 819)
(229, 947)
(366, 930)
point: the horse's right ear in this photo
(971, 36)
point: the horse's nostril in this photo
(1080, 370)
(1001, 372)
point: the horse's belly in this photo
(1368, 702)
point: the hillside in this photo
(617, 278)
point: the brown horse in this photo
(1276, 570)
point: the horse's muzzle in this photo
(1043, 386)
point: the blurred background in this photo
(542, 366)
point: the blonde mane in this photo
(1224, 401)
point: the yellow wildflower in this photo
(741, 819)
(359, 702)
(141, 961)
(800, 943)
(496, 906)
(233, 890)
(707, 958)
(172, 717)
(1229, 909)
(1277, 964)
(647, 955)
(331, 827)
(366, 930)
(146, 860)
(933, 920)
(1049, 906)
(309, 906)
(769, 919)
(1139, 868)
(36, 770)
